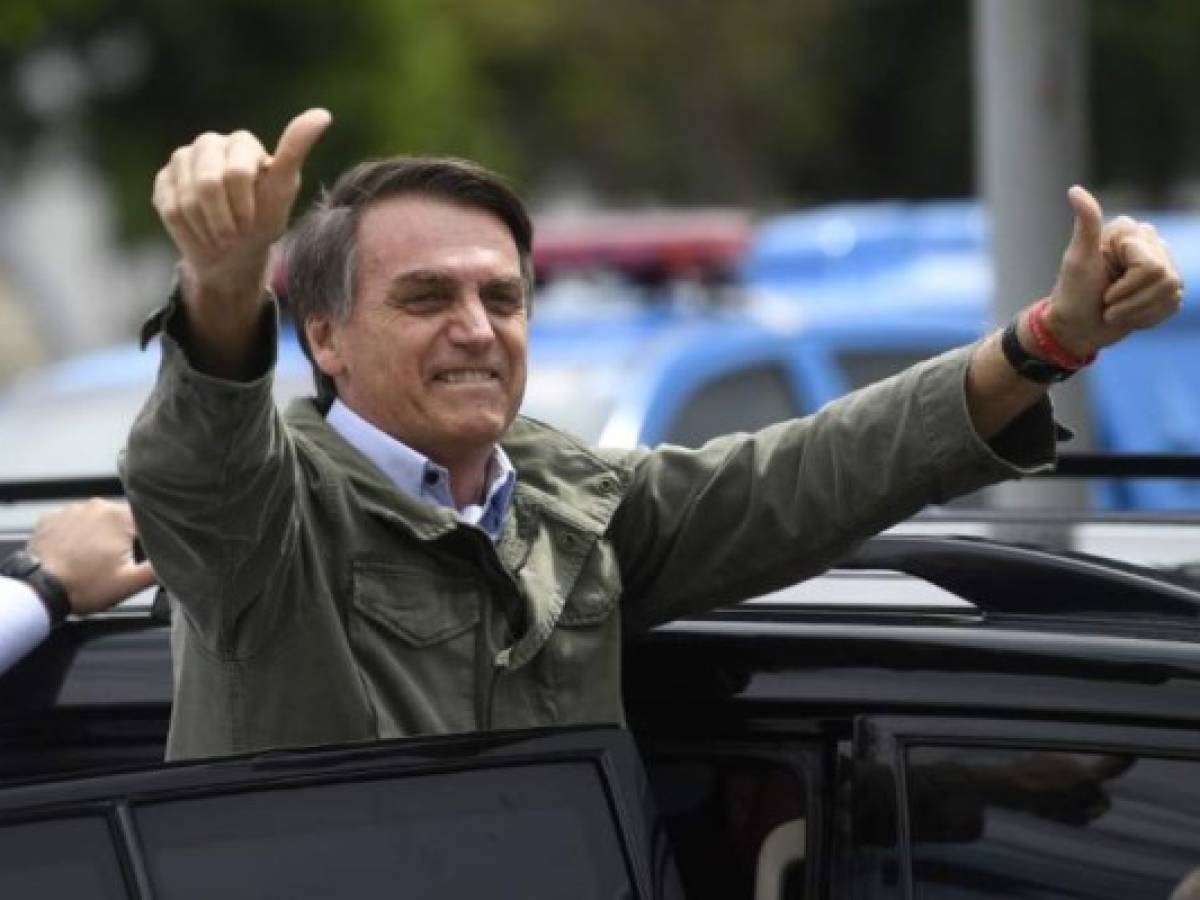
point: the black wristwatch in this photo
(1027, 365)
(24, 566)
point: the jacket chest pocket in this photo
(420, 607)
(413, 631)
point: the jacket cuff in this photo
(1026, 446)
(170, 322)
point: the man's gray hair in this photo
(321, 252)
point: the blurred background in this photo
(744, 209)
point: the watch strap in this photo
(1025, 363)
(26, 567)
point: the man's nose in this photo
(470, 324)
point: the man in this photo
(78, 560)
(405, 555)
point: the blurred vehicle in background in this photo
(644, 332)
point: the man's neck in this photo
(468, 477)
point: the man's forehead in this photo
(420, 218)
(417, 233)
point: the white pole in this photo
(1030, 72)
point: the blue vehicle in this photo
(932, 259)
(645, 377)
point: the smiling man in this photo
(404, 554)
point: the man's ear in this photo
(322, 336)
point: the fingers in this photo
(1149, 288)
(168, 200)
(244, 160)
(223, 198)
(297, 140)
(209, 202)
(1148, 307)
(1116, 231)
(205, 195)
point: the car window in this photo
(71, 857)
(738, 821)
(540, 831)
(988, 822)
(745, 400)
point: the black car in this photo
(940, 717)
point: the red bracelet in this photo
(1048, 346)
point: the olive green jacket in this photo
(316, 603)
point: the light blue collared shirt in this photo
(420, 477)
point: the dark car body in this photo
(943, 717)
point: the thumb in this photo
(135, 577)
(297, 140)
(1089, 220)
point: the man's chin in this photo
(479, 430)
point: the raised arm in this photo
(1113, 280)
(223, 200)
(209, 467)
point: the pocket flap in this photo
(422, 607)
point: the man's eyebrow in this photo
(510, 281)
(421, 278)
(433, 278)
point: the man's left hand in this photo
(1114, 279)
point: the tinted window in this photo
(64, 858)
(740, 401)
(514, 832)
(737, 824)
(988, 823)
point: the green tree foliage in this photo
(396, 74)
(770, 103)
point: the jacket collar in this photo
(557, 475)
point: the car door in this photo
(544, 814)
(973, 808)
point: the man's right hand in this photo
(223, 200)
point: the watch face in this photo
(20, 564)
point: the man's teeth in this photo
(459, 376)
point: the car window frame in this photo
(884, 740)
(610, 749)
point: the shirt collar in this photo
(421, 478)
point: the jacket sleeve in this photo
(210, 471)
(746, 514)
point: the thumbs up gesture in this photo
(223, 200)
(1114, 279)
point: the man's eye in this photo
(422, 301)
(505, 301)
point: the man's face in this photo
(434, 351)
